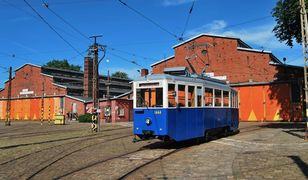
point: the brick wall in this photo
(69, 106)
(222, 58)
(30, 78)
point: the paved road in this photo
(260, 151)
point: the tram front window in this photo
(150, 97)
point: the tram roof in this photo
(183, 78)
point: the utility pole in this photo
(8, 102)
(42, 102)
(94, 49)
(304, 24)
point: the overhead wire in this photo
(187, 20)
(82, 34)
(150, 20)
(132, 54)
(35, 17)
(247, 22)
(127, 60)
(65, 21)
(53, 29)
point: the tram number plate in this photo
(157, 112)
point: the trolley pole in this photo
(94, 49)
(304, 31)
(8, 102)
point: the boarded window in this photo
(199, 96)
(217, 98)
(181, 95)
(171, 95)
(191, 96)
(208, 97)
(226, 98)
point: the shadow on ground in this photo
(296, 129)
(301, 164)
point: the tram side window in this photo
(171, 95)
(181, 95)
(151, 97)
(208, 97)
(199, 96)
(191, 96)
(236, 100)
(232, 99)
(217, 98)
(226, 98)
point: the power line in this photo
(68, 43)
(65, 21)
(132, 54)
(127, 60)
(187, 20)
(35, 17)
(247, 22)
(150, 20)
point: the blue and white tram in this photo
(181, 108)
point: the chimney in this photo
(144, 72)
(88, 77)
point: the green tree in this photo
(120, 74)
(62, 64)
(287, 16)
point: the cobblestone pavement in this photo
(259, 151)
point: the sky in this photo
(132, 42)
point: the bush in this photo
(85, 118)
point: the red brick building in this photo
(58, 91)
(268, 89)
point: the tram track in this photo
(53, 140)
(135, 169)
(78, 140)
(165, 149)
(32, 134)
(64, 155)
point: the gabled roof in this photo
(243, 47)
(163, 60)
(34, 65)
(211, 35)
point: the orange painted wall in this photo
(30, 109)
(267, 103)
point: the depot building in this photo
(39, 92)
(268, 89)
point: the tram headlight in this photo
(148, 121)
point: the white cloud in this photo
(258, 36)
(175, 2)
(211, 28)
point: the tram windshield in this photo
(150, 97)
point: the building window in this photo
(171, 95)
(208, 97)
(217, 98)
(226, 98)
(121, 111)
(191, 96)
(181, 95)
